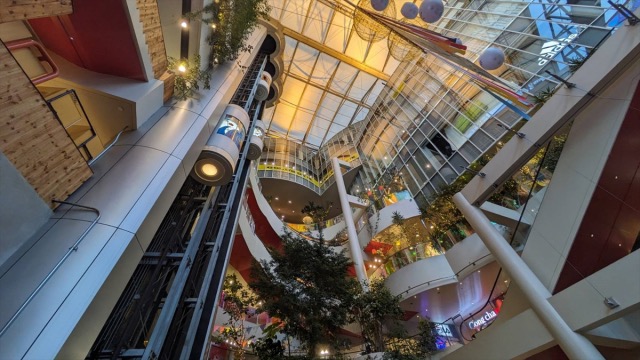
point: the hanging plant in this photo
(544, 95)
(576, 62)
(188, 77)
(231, 22)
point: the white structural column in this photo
(573, 344)
(354, 246)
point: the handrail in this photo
(386, 259)
(73, 248)
(90, 162)
(44, 56)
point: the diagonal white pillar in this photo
(354, 245)
(573, 344)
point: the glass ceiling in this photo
(322, 94)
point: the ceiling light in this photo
(209, 169)
(289, 201)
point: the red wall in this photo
(611, 223)
(97, 36)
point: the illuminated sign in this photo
(443, 330)
(488, 316)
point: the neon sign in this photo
(443, 330)
(488, 316)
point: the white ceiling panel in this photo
(378, 54)
(293, 13)
(357, 48)
(324, 68)
(311, 98)
(267, 115)
(338, 32)
(329, 106)
(318, 22)
(361, 85)
(304, 60)
(344, 77)
(320, 92)
(377, 88)
(292, 91)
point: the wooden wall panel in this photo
(33, 139)
(150, 19)
(11, 10)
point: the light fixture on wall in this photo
(184, 24)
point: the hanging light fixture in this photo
(400, 48)
(409, 10)
(367, 28)
(491, 59)
(379, 5)
(431, 10)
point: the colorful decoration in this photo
(491, 59)
(379, 5)
(409, 10)
(431, 10)
(367, 28)
(377, 248)
(446, 48)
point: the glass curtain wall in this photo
(288, 160)
(431, 120)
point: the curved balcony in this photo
(406, 256)
(286, 160)
(383, 218)
(279, 227)
(422, 266)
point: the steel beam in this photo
(336, 54)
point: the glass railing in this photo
(288, 160)
(525, 190)
(406, 256)
(314, 226)
(382, 199)
(245, 205)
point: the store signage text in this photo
(489, 315)
(551, 48)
